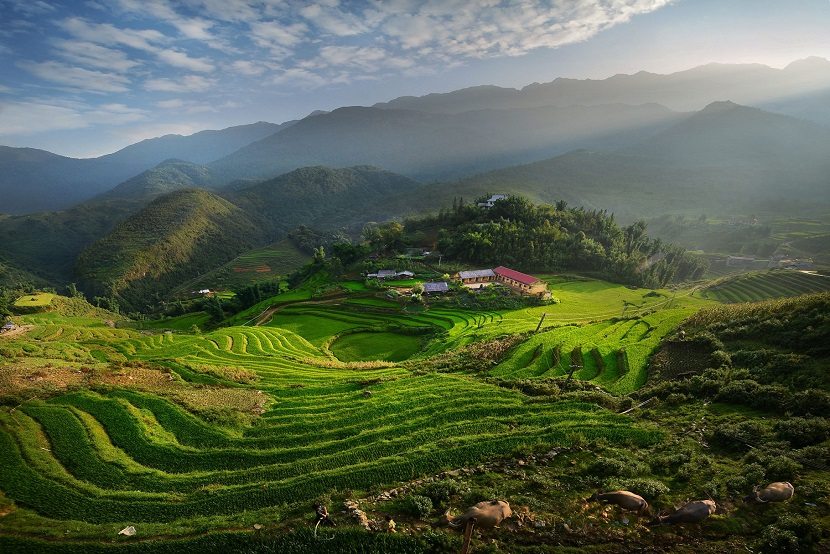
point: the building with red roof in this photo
(518, 281)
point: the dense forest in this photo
(531, 237)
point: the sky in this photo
(84, 78)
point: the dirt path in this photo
(17, 331)
(268, 314)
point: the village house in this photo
(383, 274)
(476, 278)
(522, 282)
(516, 280)
(438, 287)
(490, 202)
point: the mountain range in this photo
(433, 137)
(338, 170)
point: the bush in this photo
(647, 488)
(799, 431)
(616, 467)
(418, 506)
(791, 533)
(440, 492)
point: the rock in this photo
(539, 524)
(257, 526)
(127, 531)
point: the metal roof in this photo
(523, 278)
(439, 286)
(476, 274)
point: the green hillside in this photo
(176, 237)
(322, 197)
(261, 264)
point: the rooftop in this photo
(476, 274)
(439, 286)
(523, 278)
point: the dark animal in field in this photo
(323, 515)
(624, 499)
(779, 491)
(693, 512)
(487, 514)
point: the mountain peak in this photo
(721, 106)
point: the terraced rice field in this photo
(116, 457)
(754, 287)
(262, 264)
(612, 354)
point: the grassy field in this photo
(753, 287)
(38, 300)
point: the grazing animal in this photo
(693, 512)
(487, 514)
(624, 499)
(774, 492)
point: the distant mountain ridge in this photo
(428, 146)
(33, 180)
(689, 90)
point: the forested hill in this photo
(322, 197)
(176, 237)
(556, 238)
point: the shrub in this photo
(418, 506)
(799, 431)
(440, 492)
(616, 467)
(647, 488)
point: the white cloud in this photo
(332, 20)
(94, 55)
(110, 35)
(29, 118)
(182, 60)
(245, 67)
(188, 83)
(77, 77)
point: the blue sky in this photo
(85, 78)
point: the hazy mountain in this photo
(428, 146)
(321, 197)
(199, 148)
(35, 180)
(749, 84)
(177, 236)
(724, 158)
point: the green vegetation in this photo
(515, 232)
(753, 287)
(391, 347)
(262, 264)
(38, 300)
(174, 238)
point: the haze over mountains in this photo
(621, 144)
(434, 137)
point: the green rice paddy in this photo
(38, 300)
(338, 412)
(766, 285)
(390, 347)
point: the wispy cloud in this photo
(187, 83)
(28, 118)
(77, 77)
(94, 55)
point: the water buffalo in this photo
(693, 512)
(487, 514)
(624, 499)
(774, 492)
